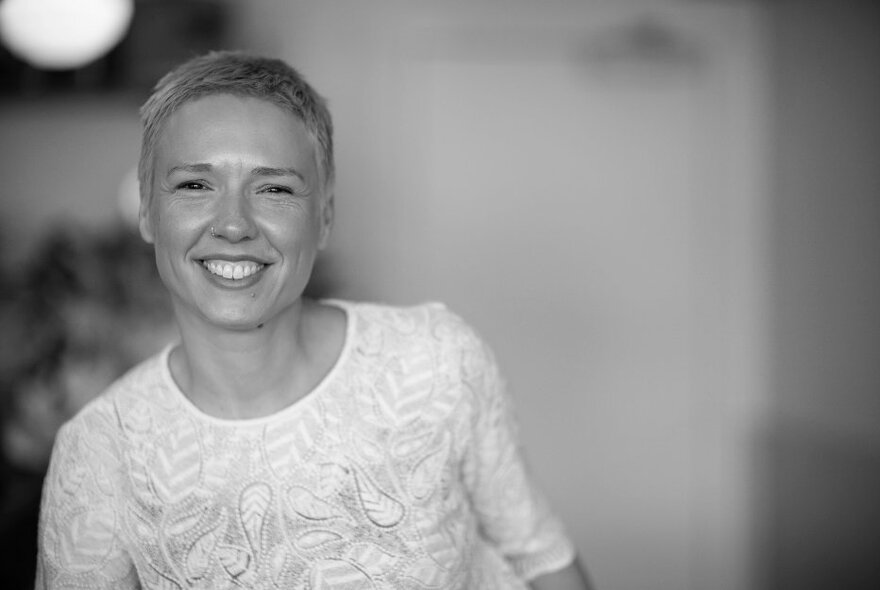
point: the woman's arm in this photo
(79, 531)
(513, 515)
(571, 577)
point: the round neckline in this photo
(341, 359)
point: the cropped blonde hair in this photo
(241, 74)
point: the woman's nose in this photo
(234, 220)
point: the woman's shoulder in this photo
(378, 309)
(432, 318)
(101, 413)
(430, 328)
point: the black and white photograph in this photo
(440, 294)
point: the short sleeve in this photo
(513, 514)
(79, 542)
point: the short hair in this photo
(240, 74)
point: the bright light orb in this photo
(63, 34)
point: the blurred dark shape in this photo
(825, 511)
(166, 32)
(823, 446)
(647, 44)
(87, 307)
(162, 34)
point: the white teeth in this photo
(232, 270)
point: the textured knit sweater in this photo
(400, 470)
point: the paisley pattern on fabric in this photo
(399, 471)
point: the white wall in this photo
(62, 163)
(593, 201)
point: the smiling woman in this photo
(238, 212)
(285, 442)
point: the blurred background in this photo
(664, 215)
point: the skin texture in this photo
(245, 170)
(275, 220)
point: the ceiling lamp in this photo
(63, 34)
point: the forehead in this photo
(220, 123)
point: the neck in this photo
(241, 374)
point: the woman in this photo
(284, 442)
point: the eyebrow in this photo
(269, 171)
(190, 168)
(258, 171)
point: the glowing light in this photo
(63, 34)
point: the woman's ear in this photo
(145, 222)
(328, 212)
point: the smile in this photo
(232, 270)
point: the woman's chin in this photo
(230, 318)
(238, 322)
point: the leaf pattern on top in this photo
(88, 539)
(139, 474)
(371, 558)
(441, 405)
(288, 444)
(117, 567)
(338, 574)
(372, 340)
(200, 554)
(215, 473)
(382, 509)
(408, 443)
(404, 386)
(382, 478)
(331, 478)
(253, 506)
(368, 449)
(436, 540)
(70, 477)
(182, 522)
(237, 562)
(277, 564)
(427, 573)
(141, 525)
(426, 473)
(310, 506)
(177, 465)
(313, 539)
(163, 582)
(138, 419)
(103, 480)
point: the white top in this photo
(399, 471)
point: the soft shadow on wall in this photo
(821, 455)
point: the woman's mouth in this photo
(236, 271)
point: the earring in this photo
(213, 235)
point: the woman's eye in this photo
(278, 189)
(191, 185)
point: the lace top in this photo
(399, 471)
